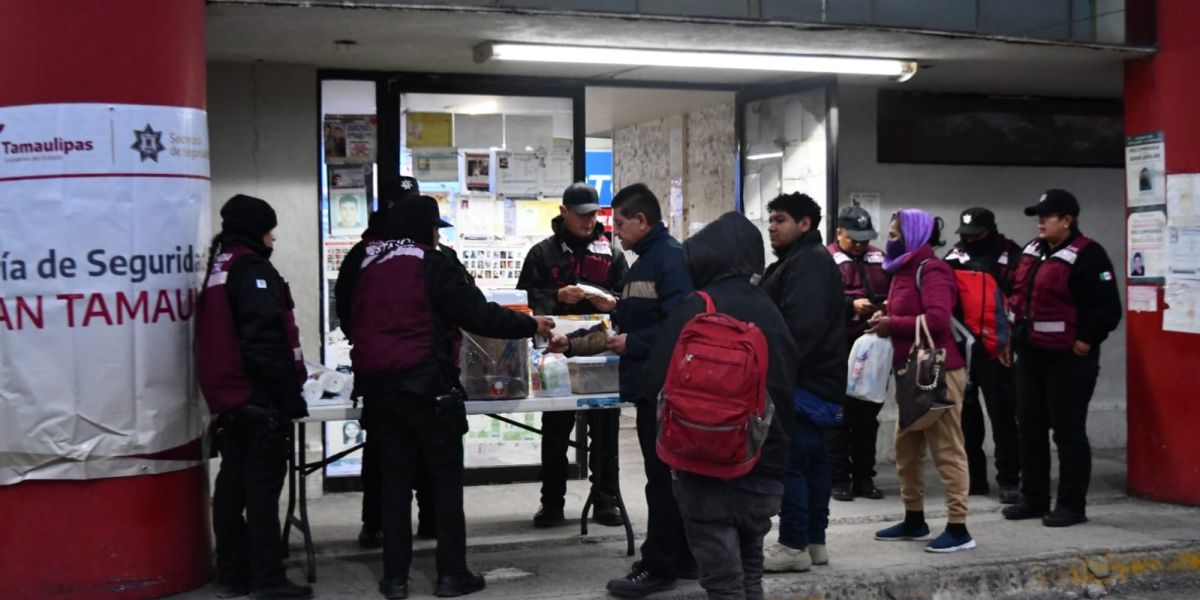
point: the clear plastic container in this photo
(594, 374)
(494, 369)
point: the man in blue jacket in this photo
(657, 282)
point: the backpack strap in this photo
(709, 307)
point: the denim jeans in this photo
(804, 514)
(725, 528)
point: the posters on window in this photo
(348, 177)
(478, 171)
(348, 211)
(349, 138)
(339, 436)
(1182, 291)
(1145, 170)
(435, 165)
(479, 131)
(429, 130)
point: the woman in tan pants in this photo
(924, 285)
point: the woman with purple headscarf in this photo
(923, 284)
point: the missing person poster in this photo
(348, 212)
(1147, 238)
(1145, 170)
(340, 436)
(349, 138)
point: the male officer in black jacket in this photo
(579, 252)
(727, 520)
(806, 285)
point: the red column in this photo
(121, 537)
(1161, 95)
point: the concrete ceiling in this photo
(441, 41)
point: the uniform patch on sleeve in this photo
(261, 283)
(1106, 276)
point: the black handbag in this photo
(921, 385)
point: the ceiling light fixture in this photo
(887, 67)
(765, 156)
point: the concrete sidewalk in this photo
(1129, 544)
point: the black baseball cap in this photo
(976, 220)
(392, 189)
(1054, 202)
(857, 223)
(416, 212)
(581, 198)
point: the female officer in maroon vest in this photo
(250, 369)
(1066, 303)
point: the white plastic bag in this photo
(869, 368)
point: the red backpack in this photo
(713, 411)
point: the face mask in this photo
(895, 249)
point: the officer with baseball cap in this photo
(1066, 304)
(984, 263)
(851, 445)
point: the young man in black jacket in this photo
(579, 252)
(726, 521)
(657, 282)
(806, 285)
(406, 298)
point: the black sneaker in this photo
(1063, 517)
(449, 586)
(284, 590)
(608, 515)
(370, 538)
(548, 517)
(394, 588)
(867, 489)
(639, 583)
(1009, 494)
(843, 492)
(1022, 511)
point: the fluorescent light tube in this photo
(553, 53)
(765, 156)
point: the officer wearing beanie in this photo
(250, 369)
(985, 265)
(406, 298)
(1066, 303)
(579, 252)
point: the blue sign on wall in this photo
(599, 167)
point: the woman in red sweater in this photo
(923, 284)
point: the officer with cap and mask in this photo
(579, 252)
(1066, 304)
(407, 295)
(984, 263)
(851, 445)
(249, 366)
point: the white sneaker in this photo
(819, 554)
(778, 558)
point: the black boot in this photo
(843, 491)
(639, 583)
(394, 589)
(449, 586)
(548, 517)
(866, 489)
(1022, 511)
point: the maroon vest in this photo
(869, 280)
(592, 267)
(1042, 296)
(218, 350)
(393, 319)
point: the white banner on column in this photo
(104, 221)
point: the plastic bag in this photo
(550, 374)
(869, 368)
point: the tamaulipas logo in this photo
(55, 147)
